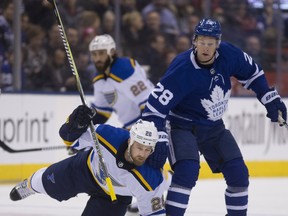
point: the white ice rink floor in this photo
(267, 197)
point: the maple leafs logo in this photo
(218, 103)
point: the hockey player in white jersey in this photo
(125, 153)
(193, 96)
(120, 84)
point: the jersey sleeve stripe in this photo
(98, 77)
(107, 145)
(105, 111)
(116, 78)
(106, 114)
(253, 78)
(132, 61)
(153, 111)
(247, 83)
(141, 179)
(68, 143)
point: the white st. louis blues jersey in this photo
(125, 90)
(144, 183)
(189, 94)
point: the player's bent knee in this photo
(186, 173)
(236, 173)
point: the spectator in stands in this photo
(182, 43)
(152, 23)
(6, 72)
(25, 23)
(134, 38)
(239, 21)
(155, 54)
(253, 47)
(192, 21)
(85, 73)
(141, 4)
(108, 23)
(6, 32)
(152, 26)
(167, 17)
(97, 6)
(73, 38)
(267, 23)
(39, 13)
(36, 59)
(170, 54)
(218, 13)
(183, 9)
(128, 6)
(245, 18)
(54, 40)
(89, 25)
(70, 10)
(56, 71)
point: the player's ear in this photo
(218, 45)
(112, 52)
(194, 40)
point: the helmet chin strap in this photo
(106, 71)
(128, 150)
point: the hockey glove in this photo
(158, 158)
(80, 118)
(274, 105)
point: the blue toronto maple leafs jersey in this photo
(189, 94)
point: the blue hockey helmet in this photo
(208, 27)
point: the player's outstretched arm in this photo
(77, 123)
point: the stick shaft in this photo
(10, 150)
(281, 121)
(80, 89)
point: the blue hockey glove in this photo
(158, 158)
(80, 118)
(274, 105)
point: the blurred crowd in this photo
(152, 31)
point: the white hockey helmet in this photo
(102, 42)
(145, 133)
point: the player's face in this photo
(139, 153)
(101, 60)
(206, 47)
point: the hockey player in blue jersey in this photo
(125, 154)
(189, 102)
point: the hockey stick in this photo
(80, 89)
(10, 150)
(281, 121)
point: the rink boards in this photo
(33, 120)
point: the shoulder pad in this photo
(122, 68)
(148, 177)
